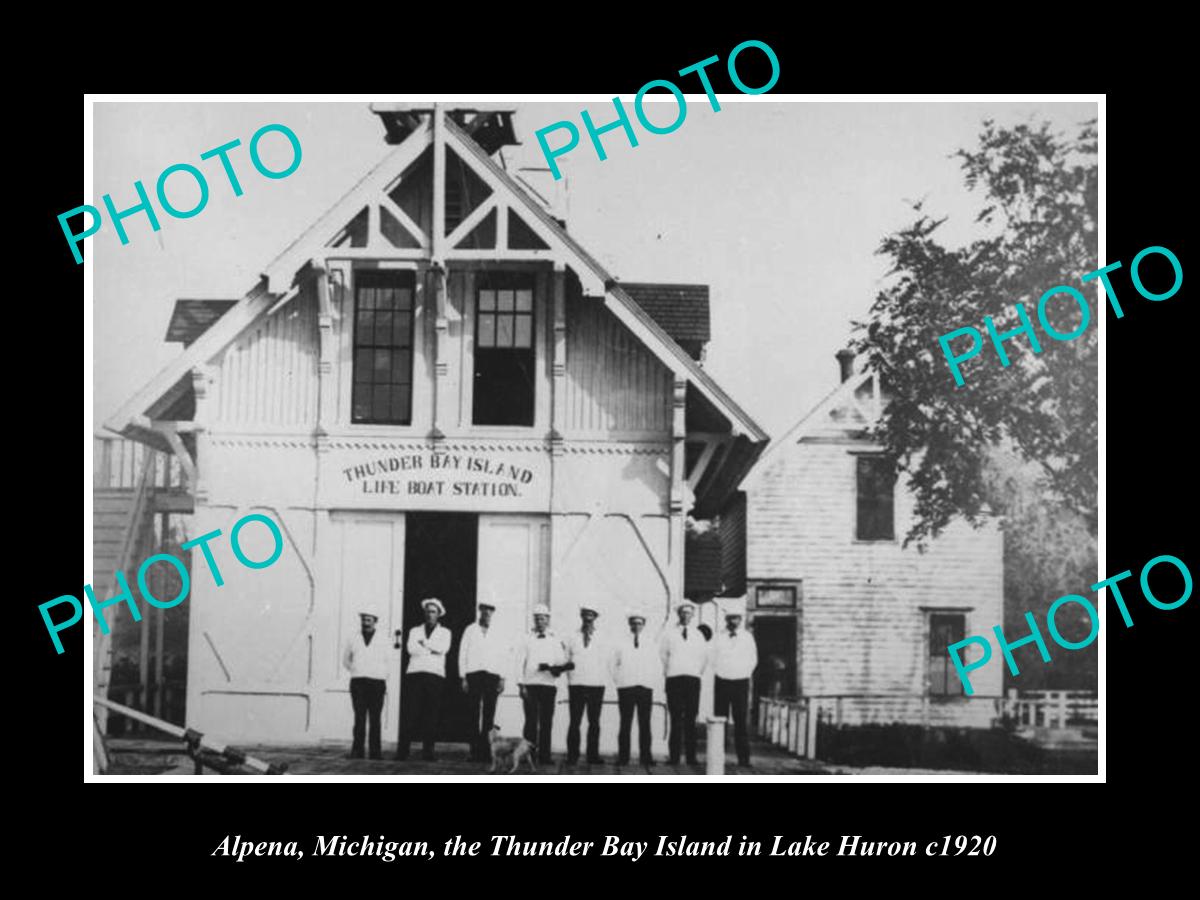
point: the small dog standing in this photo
(517, 750)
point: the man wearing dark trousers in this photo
(369, 658)
(428, 645)
(636, 671)
(483, 658)
(684, 651)
(587, 668)
(543, 659)
(735, 655)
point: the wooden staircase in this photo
(132, 483)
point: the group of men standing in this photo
(633, 662)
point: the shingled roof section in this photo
(681, 310)
(192, 318)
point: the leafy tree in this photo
(1039, 230)
(1048, 552)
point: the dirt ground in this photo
(332, 759)
(153, 757)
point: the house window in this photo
(876, 487)
(944, 629)
(383, 341)
(770, 596)
(504, 351)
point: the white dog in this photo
(517, 750)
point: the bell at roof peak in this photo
(490, 128)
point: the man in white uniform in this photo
(636, 671)
(684, 651)
(587, 673)
(735, 656)
(369, 659)
(483, 658)
(543, 659)
(428, 645)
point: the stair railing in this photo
(102, 661)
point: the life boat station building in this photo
(434, 391)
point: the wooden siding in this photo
(269, 375)
(613, 382)
(864, 627)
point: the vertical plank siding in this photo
(613, 382)
(269, 375)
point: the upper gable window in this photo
(383, 342)
(504, 350)
(876, 483)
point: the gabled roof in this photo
(617, 299)
(681, 309)
(191, 318)
(132, 419)
(846, 411)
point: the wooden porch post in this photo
(558, 369)
(437, 265)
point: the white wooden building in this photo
(844, 616)
(435, 390)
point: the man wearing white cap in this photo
(636, 671)
(428, 645)
(369, 658)
(684, 651)
(483, 658)
(587, 668)
(543, 659)
(735, 656)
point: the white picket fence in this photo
(1049, 709)
(786, 723)
(793, 723)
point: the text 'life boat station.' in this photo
(435, 392)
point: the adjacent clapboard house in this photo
(844, 615)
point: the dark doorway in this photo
(440, 561)
(776, 672)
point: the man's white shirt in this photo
(537, 649)
(591, 660)
(734, 656)
(483, 650)
(428, 654)
(374, 660)
(636, 666)
(684, 656)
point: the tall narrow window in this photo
(876, 489)
(504, 350)
(383, 341)
(944, 629)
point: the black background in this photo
(127, 832)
